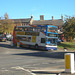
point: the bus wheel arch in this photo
(36, 46)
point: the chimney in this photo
(31, 21)
(41, 17)
(32, 17)
(52, 17)
(62, 17)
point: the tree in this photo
(0, 27)
(7, 25)
(69, 28)
(6, 15)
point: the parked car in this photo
(2, 38)
(62, 40)
(8, 37)
(59, 41)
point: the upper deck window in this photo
(43, 29)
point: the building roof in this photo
(21, 20)
(58, 22)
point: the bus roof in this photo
(51, 26)
(23, 26)
(38, 26)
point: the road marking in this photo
(21, 68)
(3, 69)
(49, 70)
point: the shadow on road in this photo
(58, 55)
(39, 53)
(46, 72)
(5, 45)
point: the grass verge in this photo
(68, 45)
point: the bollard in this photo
(69, 62)
(11, 43)
(18, 44)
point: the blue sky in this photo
(48, 8)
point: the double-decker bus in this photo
(36, 36)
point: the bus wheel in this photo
(36, 46)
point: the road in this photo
(23, 61)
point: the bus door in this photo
(43, 41)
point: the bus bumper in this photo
(51, 48)
(47, 48)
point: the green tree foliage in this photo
(69, 28)
(7, 25)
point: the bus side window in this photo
(29, 39)
(36, 30)
(31, 29)
(28, 29)
(25, 29)
(43, 29)
(16, 28)
(20, 29)
(39, 29)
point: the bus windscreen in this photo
(52, 29)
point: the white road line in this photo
(21, 68)
(49, 70)
(3, 69)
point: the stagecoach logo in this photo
(20, 33)
(33, 38)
